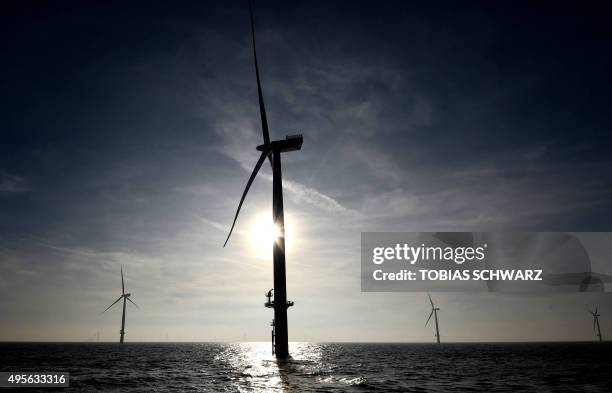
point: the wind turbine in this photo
(124, 296)
(434, 312)
(272, 151)
(596, 322)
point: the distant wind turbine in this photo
(124, 296)
(596, 316)
(434, 312)
(272, 151)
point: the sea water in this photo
(318, 367)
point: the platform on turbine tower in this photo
(270, 304)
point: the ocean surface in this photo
(320, 367)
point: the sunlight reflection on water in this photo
(260, 371)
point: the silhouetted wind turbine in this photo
(124, 296)
(272, 151)
(596, 322)
(434, 312)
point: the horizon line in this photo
(305, 342)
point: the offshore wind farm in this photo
(447, 136)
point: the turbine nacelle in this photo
(290, 143)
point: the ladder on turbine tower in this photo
(273, 332)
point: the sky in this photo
(129, 132)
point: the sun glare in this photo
(263, 234)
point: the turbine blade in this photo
(112, 304)
(133, 303)
(432, 311)
(262, 108)
(122, 286)
(596, 307)
(262, 158)
(430, 301)
(594, 322)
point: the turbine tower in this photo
(434, 312)
(124, 296)
(596, 316)
(272, 151)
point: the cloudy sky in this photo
(129, 131)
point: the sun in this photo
(263, 234)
